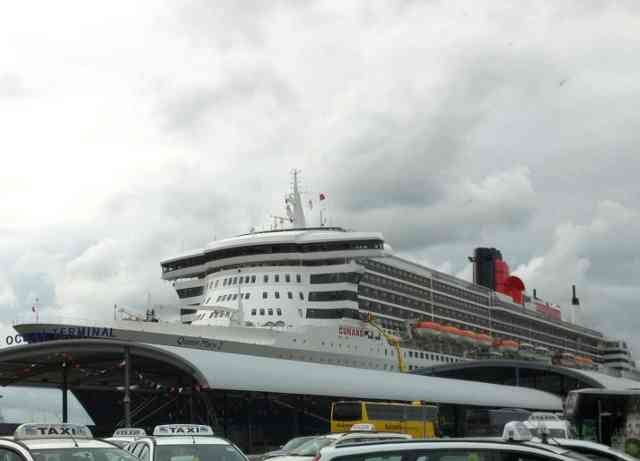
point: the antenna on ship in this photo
(294, 202)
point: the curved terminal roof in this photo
(243, 372)
(586, 378)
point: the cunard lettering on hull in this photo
(355, 332)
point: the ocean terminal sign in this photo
(68, 332)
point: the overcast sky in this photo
(130, 131)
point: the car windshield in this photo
(82, 454)
(193, 452)
(312, 447)
(297, 442)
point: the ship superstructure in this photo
(332, 295)
(332, 277)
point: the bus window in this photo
(347, 411)
(384, 411)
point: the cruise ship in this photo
(343, 297)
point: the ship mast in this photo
(294, 204)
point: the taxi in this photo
(126, 435)
(358, 433)
(514, 445)
(184, 442)
(58, 442)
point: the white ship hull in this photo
(348, 345)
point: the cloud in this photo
(466, 211)
(12, 86)
(600, 256)
(445, 126)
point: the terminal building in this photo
(256, 402)
(260, 402)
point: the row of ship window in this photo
(270, 312)
(214, 314)
(395, 285)
(271, 264)
(319, 296)
(412, 303)
(424, 281)
(337, 277)
(281, 248)
(239, 280)
(229, 297)
(551, 334)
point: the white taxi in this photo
(126, 435)
(359, 433)
(514, 445)
(58, 442)
(184, 442)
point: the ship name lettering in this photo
(352, 331)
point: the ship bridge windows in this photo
(340, 295)
(282, 248)
(189, 292)
(336, 277)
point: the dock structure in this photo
(257, 402)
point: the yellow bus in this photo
(415, 419)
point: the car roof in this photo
(34, 444)
(576, 443)
(185, 440)
(436, 444)
(371, 434)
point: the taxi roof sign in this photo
(182, 429)
(129, 432)
(362, 427)
(52, 431)
(516, 431)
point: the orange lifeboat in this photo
(451, 332)
(507, 345)
(426, 329)
(584, 361)
(484, 340)
(468, 336)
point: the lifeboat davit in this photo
(507, 345)
(428, 329)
